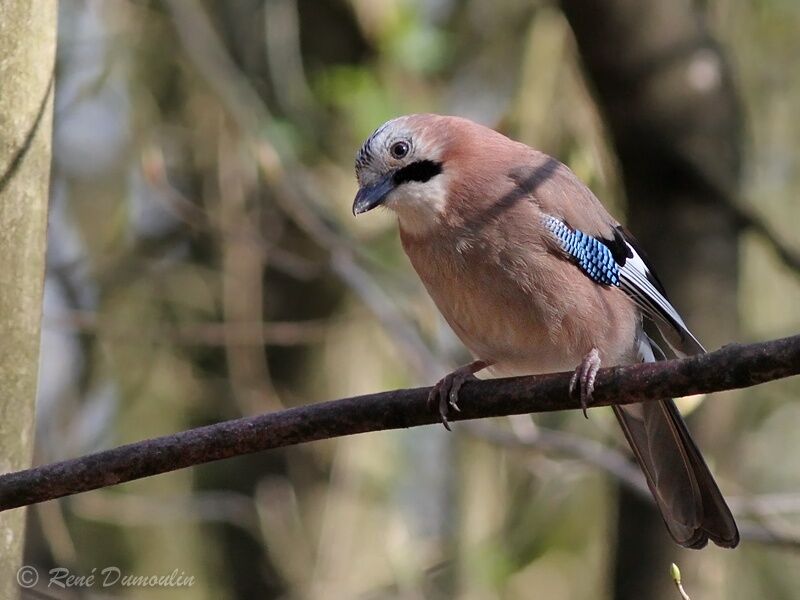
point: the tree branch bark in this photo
(731, 367)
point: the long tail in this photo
(684, 489)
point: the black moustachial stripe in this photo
(421, 171)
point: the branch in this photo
(747, 217)
(731, 367)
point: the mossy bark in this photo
(27, 51)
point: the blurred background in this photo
(203, 264)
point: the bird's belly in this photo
(517, 343)
(530, 331)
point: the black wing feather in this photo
(638, 279)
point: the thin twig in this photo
(750, 219)
(755, 514)
(209, 333)
(731, 367)
(675, 573)
(591, 452)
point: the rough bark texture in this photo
(27, 51)
(667, 96)
(731, 367)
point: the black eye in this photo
(399, 149)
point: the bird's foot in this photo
(583, 378)
(444, 395)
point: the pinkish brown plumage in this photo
(534, 276)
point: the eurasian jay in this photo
(535, 276)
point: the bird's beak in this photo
(370, 196)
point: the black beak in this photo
(370, 196)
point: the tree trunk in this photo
(668, 100)
(27, 51)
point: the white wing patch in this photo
(635, 282)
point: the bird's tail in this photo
(684, 489)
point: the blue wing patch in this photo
(592, 256)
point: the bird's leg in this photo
(583, 377)
(444, 395)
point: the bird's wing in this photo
(640, 282)
(605, 251)
(617, 259)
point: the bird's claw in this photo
(584, 377)
(444, 395)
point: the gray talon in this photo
(585, 375)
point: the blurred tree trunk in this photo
(27, 48)
(668, 100)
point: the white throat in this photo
(419, 206)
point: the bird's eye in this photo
(399, 149)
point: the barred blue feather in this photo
(590, 254)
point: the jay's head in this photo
(426, 166)
(405, 166)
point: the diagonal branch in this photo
(731, 367)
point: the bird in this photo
(534, 276)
